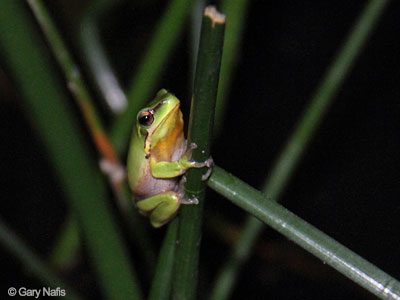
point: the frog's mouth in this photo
(147, 144)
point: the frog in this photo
(158, 158)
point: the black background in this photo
(347, 183)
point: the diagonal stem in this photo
(297, 143)
(305, 235)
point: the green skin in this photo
(157, 157)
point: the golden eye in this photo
(146, 118)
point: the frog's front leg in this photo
(162, 207)
(169, 169)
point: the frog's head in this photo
(159, 121)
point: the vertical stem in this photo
(195, 22)
(200, 131)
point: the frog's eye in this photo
(146, 118)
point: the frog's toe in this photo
(209, 162)
(192, 146)
(189, 201)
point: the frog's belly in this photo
(149, 186)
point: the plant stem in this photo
(200, 132)
(161, 286)
(195, 29)
(236, 11)
(21, 251)
(47, 107)
(68, 244)
(305, 235)
(94, 123)
(82, 96)
(74, 79)
(291, 154)
(149, 70)
(96, 58)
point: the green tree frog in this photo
(157, 157)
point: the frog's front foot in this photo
(209, 163)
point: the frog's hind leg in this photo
(162, 207)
